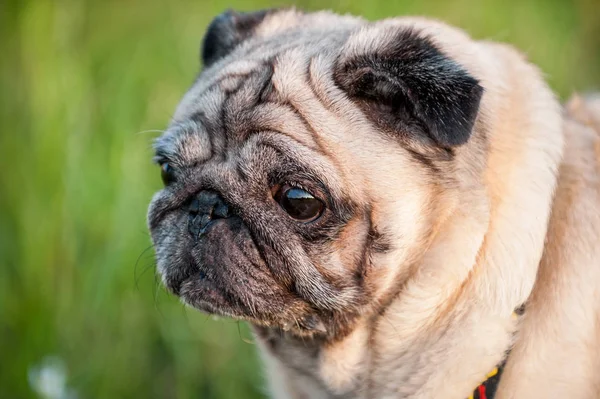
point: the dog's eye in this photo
(167, 173)
(299, 204)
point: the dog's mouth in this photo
(196, 288)
(213, 273)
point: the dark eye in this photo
(167, 173)
(299, 204)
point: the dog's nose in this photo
(205, 207)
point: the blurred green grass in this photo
(84, 86)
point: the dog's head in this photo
(309, 165)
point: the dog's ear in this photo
(227, 31)
(405, 84)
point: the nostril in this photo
(221, 211)
(194, 207)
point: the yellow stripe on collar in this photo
(487, 388)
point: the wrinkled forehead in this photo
(240, 101)
(241, 95)
(283, 34)
(234, 98)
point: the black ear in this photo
(409, 87)
(227, 31)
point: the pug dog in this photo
(378, 200)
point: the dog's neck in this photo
(452, 321)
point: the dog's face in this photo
(308, 166)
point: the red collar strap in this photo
(487, 389)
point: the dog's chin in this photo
(200, 295)
(203, 296)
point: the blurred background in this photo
(85, 87)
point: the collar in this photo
(487, 389)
